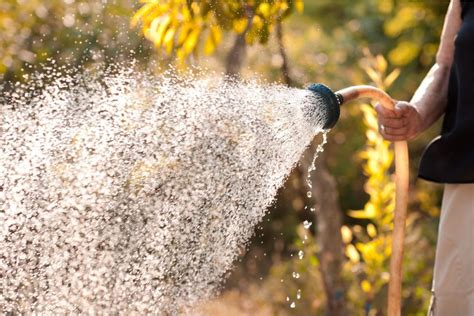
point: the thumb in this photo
(402, 108)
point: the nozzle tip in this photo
(331, 102)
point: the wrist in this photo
(423, 118)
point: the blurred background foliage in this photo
(387, 43)
(180, 27)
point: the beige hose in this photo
(401, 199)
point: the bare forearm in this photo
(431, 96)
(408, 119)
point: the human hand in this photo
(404, 122)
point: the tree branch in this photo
(236, 55)
(281, 47)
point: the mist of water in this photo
(122, 191)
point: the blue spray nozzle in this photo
(330, 102)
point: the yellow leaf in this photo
(264, 9)
(390, 79)
(371, 135)
(386, 158)
(183, 33)
(381, 64)
(143, 11)
(346, 234)
(157, 29)
(358, 214)
(370, 210)
(370, 118)
(181, 56)
(371, 230)
(191, 41)
(366, 287)
(168, 40)
(240, 25)
(216, 33)
(403, 20)
(385, 6)
(186, 15)
(404, 53)
(151, 29)
(352, 253)
(195, 7)
(374, 76)
(157, 12)
(257, 22)
(209, 45)
(367, 109)
(299, 5)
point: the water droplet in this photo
(296, 275)
(300, 254)
(307, 224)
(293, 305)
(298, 294)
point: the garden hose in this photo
(332, 101)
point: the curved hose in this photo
(401, 199)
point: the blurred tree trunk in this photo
(281, 48)
(328, 231)
(236, 55)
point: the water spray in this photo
(124, 192)
(332, 101)
(128, 193)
